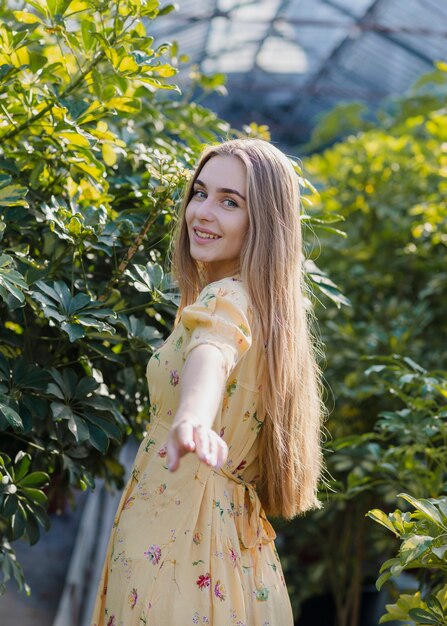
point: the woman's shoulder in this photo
(228, 288)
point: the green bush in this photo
(388, 182)
(95, 146)
(423, 547)
(91, 160)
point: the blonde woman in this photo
(235, 411)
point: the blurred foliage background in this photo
(386, 353)
(96, 142)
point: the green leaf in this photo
(11, 195)
(23, 461)
(39, 513)
(11, 280)
(57, 7)
(146, 277)
(61, 411)
(10, 505)
(11, 416)
(35, 479)
(428, 510)
(381, 518)
(110, 428)
(32, 530)
(18, 522)
(79, 428)
(98, 438)
(124, 104)
(425, 617)
(400, 610)
(434, 605)
(88, 30)
(168, 8)
(74, 313)
(86, 386)
(74, 331)
(24, 17)
(383, 578)
(35, 495)
(414, 547)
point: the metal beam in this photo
(388, 33)
(345, 43)
(317, 23)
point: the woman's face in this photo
(217, 215)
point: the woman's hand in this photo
(191, 431)
(185, 436)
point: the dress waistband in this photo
(250, 519)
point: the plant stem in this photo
(130, 253)
(28, 443)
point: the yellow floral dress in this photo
(194, 546)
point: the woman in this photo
(235, 411)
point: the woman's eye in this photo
(200, 193)
(230, 203)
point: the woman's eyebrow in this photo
(221, 189)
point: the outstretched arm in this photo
(201, 386)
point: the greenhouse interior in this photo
(105, 111)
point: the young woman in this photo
(235, 411)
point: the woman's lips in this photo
(204, 236)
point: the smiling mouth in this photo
(203, 235)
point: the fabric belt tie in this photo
(251, 522)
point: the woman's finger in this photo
(172, 453)
(201, 441)
(222, 452)
(185, 435)
(212, 448)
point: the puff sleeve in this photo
(219, 317)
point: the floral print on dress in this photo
(244, 329)
(231, 387)
(219, 591)
(233, 557)
(262, 594)
(154, 554)
(162, 452)
(203, 581)
(207, 299)
(129, 503)
(150, 442)
(178, 344)
(177, 535)
(196, 619)
(133, 598)
(174, 378)
(241, 466)
(197, 539)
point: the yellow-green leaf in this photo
(127, 65)
(124, 104)
(441, 65)
(381, 518)
(164, 70)
(108, 154)
(75, 139)
(27, 18)
(77, 5)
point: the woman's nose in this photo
(204, 209)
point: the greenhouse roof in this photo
(287, 61)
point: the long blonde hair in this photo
(271, 267)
